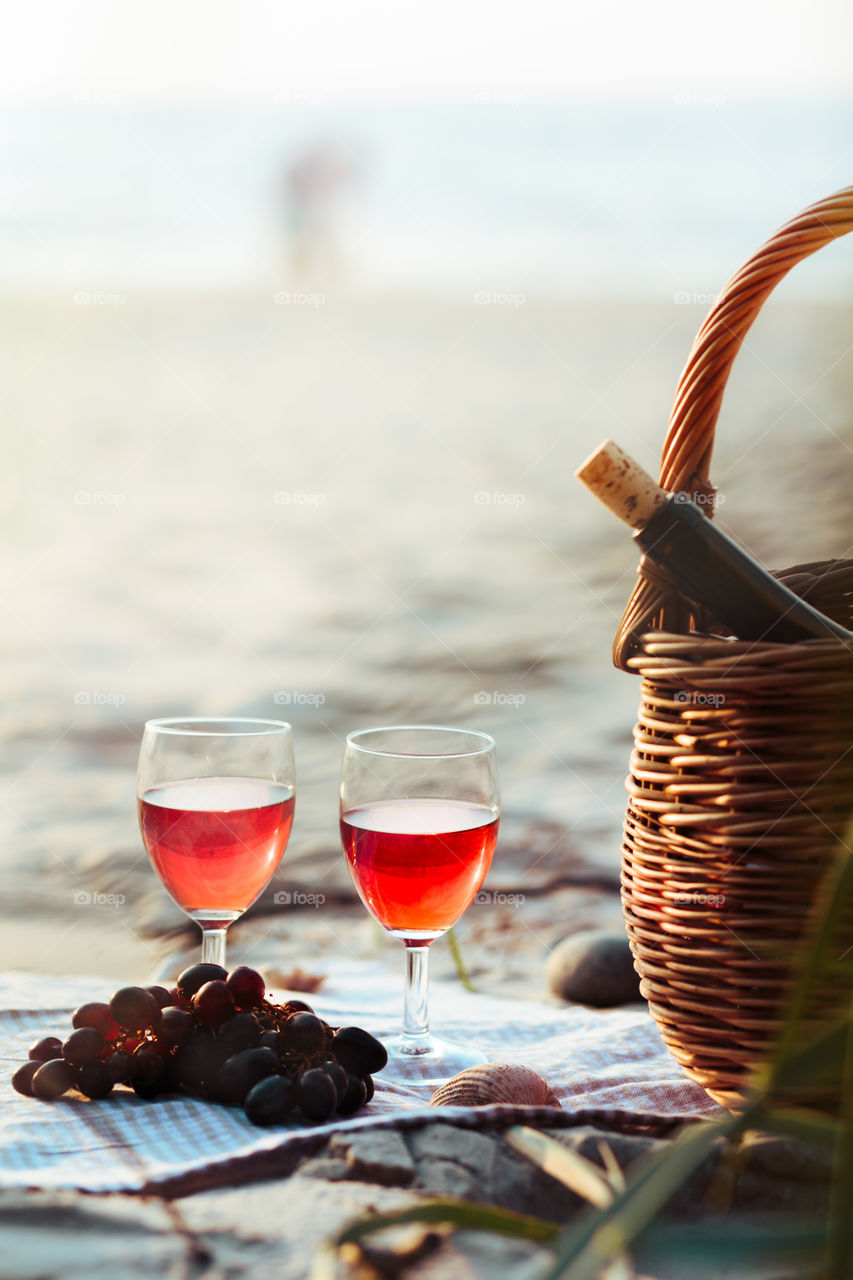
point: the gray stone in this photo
(468, 1147)
(329, 1168)
(380, 1156)
(765, 1174)
(786, 1158)
(454, 1162)
(485, 1168)
(593, 967)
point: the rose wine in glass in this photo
(419, 822)
(215, 802)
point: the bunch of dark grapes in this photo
(215, 1036)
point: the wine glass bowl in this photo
(215, 804)
(419, 823)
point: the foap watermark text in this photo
(82, 898)
(298, 698)
(485, 898)
(97, 698)
(699, 698)
(496, 698)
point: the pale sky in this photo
(217, 51)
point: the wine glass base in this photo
(431, 1062)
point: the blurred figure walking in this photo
(316, 182)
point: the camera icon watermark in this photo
(97, 698)
(82, 898)
(296, 698)
(496, 698)
(698, 698)
(296, 498)
(498, 298)
(496, 499)
(283, 898)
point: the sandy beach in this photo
(346, 513)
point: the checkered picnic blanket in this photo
(605, 1066)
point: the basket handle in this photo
(686, 457)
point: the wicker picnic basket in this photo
(741, 777)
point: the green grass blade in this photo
(601, 1237)
(830, 902)
(456, 1213)
(580, 1175)
(840, 1243)
(456, 952)
(798, 1122)
(817, 1062)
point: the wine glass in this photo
(419, 822)
(215, 802)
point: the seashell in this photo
(496, 1082)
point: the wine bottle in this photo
(709, 567)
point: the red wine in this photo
(215, 842)
(418, 863)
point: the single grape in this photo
(176, 1000)
(354, 1097)
(161, 995)
(97, 1015)
(176, 1026)
(297, 1006)
(52, 1079)
(196, 976)
(135, 1009)
(22, 1080)
(271, 1100)
(338, 1076)
(118, 1066)
(213, 1003)
(240, 1032)
(44, 1050)
(246, 986)
(149, 1089)
(83, 1047)
(241, 1072)
(317, 1094)
(303, 1033)
(198, 1061)
(357, 1050)
(369, 1088)
(146, 1066)
(271, 1040)
(95, 1080)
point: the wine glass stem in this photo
(213, 946)
(416, 1000)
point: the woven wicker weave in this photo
(741, 781)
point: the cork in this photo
(621, 484)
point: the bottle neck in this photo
(717, 574)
